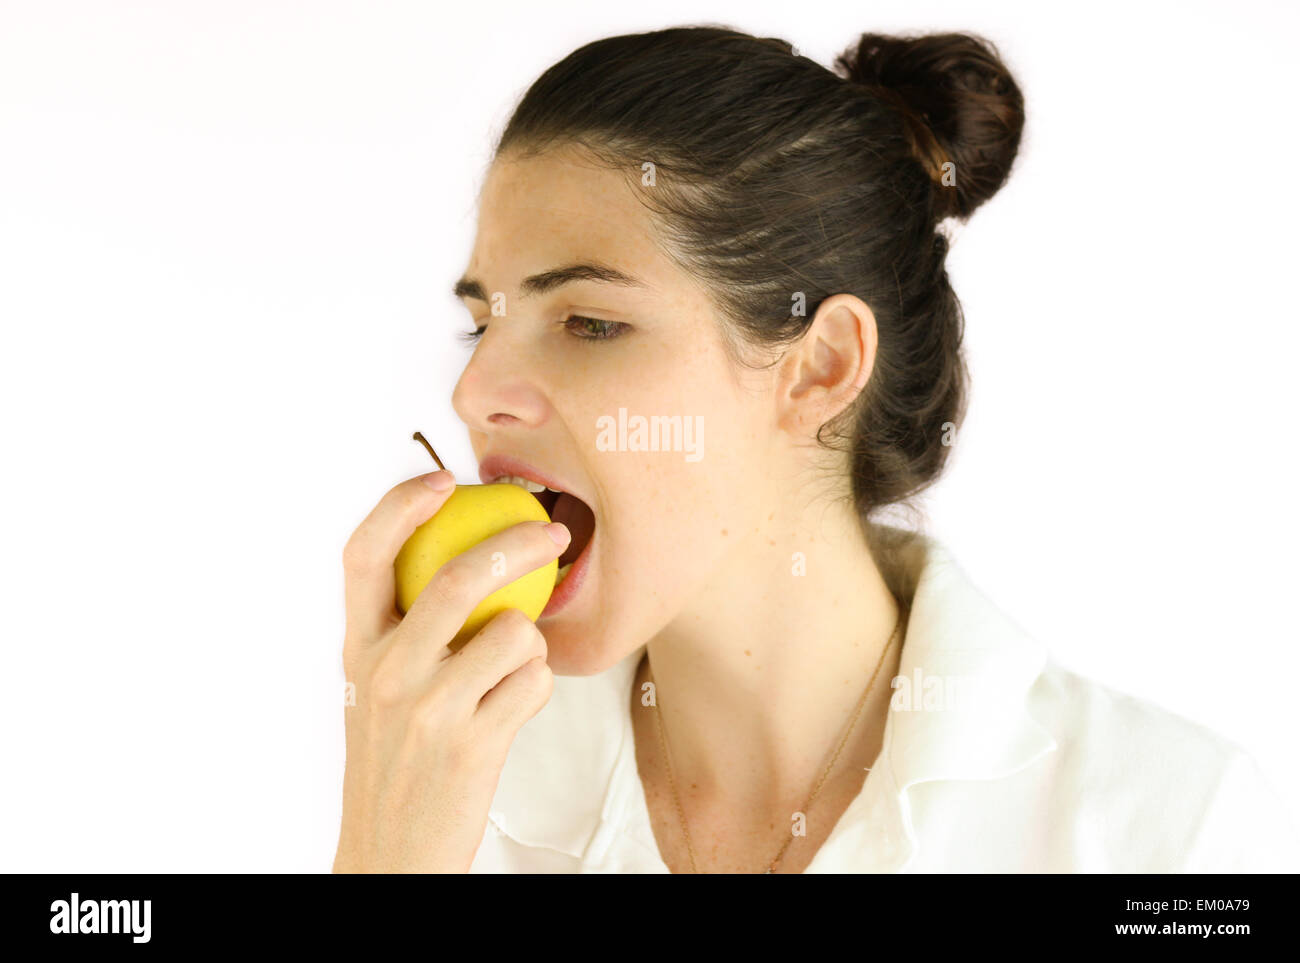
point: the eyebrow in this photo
(468, 287)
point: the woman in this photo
(711, 309)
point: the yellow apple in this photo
(471, 514)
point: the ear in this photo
(829, 366)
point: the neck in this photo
(758, 678)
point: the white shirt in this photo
(1017, 766)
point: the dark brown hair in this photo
(774, 175)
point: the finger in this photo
(370, 588)
(516, 699)
(462, 582)
(507, 642)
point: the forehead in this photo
(559, 206)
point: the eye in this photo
(472, 336)
(584, 329)
(593, 329)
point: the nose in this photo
(497, 388)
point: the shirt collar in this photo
(958, 712)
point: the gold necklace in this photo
(681, 813)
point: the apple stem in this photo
(421, 439)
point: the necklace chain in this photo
(681, 813)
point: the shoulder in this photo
(1100, 726)
(1172, 794)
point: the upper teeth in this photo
(532, 486)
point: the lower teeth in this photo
(562, 571)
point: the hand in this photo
(430, 730)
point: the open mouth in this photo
(561, 506)
(577, 517)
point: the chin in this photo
(574, 651)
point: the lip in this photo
(494, 466)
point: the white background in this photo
(227, 234)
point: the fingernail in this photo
(558, 532)
(440, 481)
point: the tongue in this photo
(574, 514)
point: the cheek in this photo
(694, 491)
(669, 514)
(671, 520)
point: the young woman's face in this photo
(668, 523)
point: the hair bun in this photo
(959, 103)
